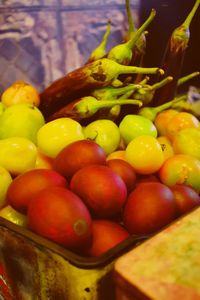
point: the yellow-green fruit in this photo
(21, 120)
(2, 108)
(57, 134)
(5, 181)
(133, 126)
(187, 141)
(17, 155)
(105, 133)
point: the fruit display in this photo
(103, 153)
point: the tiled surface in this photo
(42, 40)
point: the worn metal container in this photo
(35, 268)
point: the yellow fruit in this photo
(105, 133)
(17, 155)
(145, 154)
(187, 141)
(21, 92)
(21, 120)
(5, 181)
(166, 146)
(53, 136)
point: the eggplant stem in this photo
(140, 70)
(170, 103)
(188, 20)
(184, 79)
(138, 33)
(162, 83)
(130, 19)
(111, 103)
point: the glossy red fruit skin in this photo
(149, 207)
(125, 171)
(61, 216)
(186, 198)
(113, 234)
(103, 190)
(77, 155)
(27, 185)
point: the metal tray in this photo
(35, 268)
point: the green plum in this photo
(132, 126)
(21, 120)
(105, 133)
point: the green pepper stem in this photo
(138, 33)
(184, 79)
(162, 83)
(189, 18)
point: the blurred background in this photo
(42, 40)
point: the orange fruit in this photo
(179, 122)
(21, 92)
(162, 119)
(118, 154)
(181, 169)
